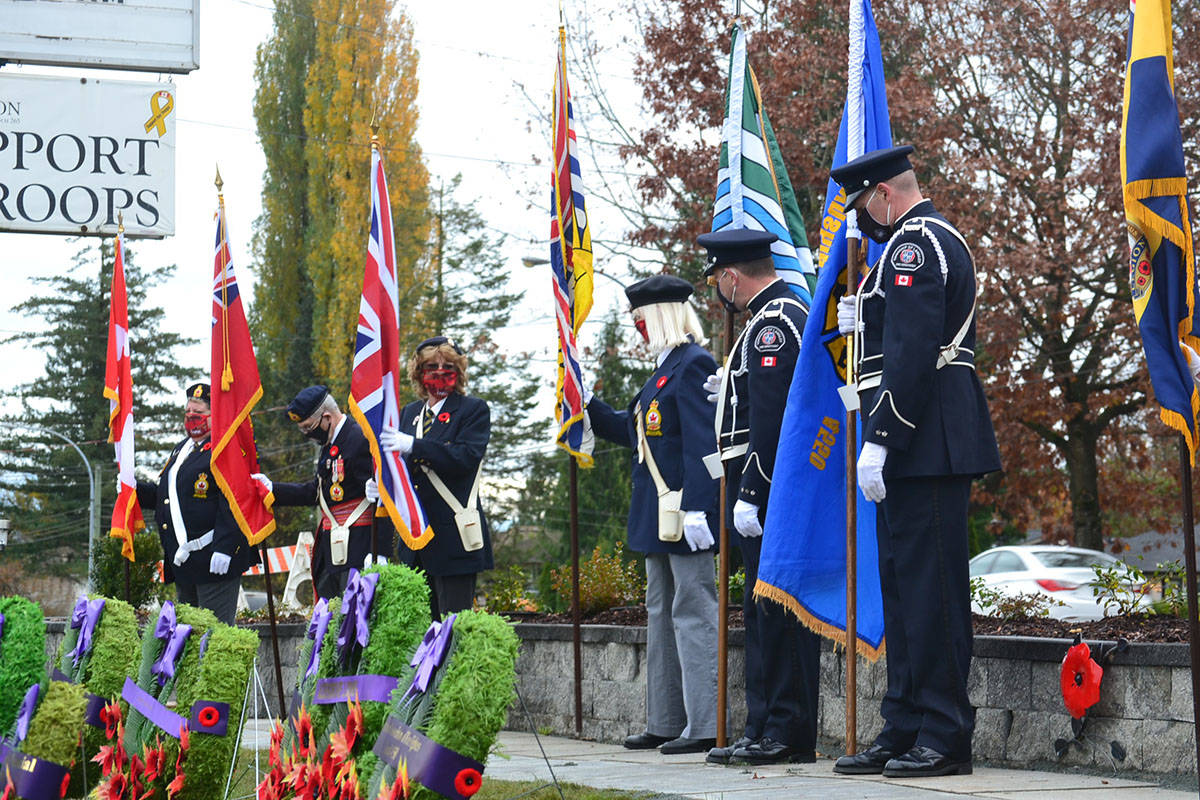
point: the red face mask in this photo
(640, 324)
(196, 425)
(439, 382)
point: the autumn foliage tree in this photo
(1015, 111)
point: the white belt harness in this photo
(339, 534)
(670, 517)
(467, 518)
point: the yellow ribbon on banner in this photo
(159, 112)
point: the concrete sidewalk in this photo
(609, 766)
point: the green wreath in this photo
(22, 654)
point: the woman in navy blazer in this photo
(677, 427)
(445, 433)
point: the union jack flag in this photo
(375, 381)
(571, 263)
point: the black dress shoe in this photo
(723, 755)
(922, 761)
(645, 741)
(869, 762)
(769, 751)
(681, 745)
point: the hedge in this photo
(22, 654)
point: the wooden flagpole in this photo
(1189, 558)
(852, 258)
(723, 581)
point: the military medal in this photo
(338, 470)
(653, 420)
(336, 492)
(200, 487)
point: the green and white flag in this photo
(753, 190)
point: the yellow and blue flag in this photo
(1162, 272)
(803, 562)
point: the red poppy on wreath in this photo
(1080, 680)
(661, 382)
(444, 416)
(209, 716)
(333, 451)
(62, 792)
(467, 781)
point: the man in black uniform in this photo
(782, 656)
(927, 433)
(204, 550)
(343, 467)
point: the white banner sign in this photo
(154, 35)
(76, 152)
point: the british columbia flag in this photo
(375, 381)
(571, 263)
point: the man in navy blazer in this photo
(443, 437)
(672, 517)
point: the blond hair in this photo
(446, 355)
(671, 324)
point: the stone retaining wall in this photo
(1145, 700)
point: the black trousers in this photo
(219, 596)
(922, 530)
(783, 664)
(448, 594)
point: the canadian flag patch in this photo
(904, 280)
(768, 361)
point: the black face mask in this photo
(725, 301)
(874, 231)
(318, 434)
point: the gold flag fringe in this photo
(820, 627)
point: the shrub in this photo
(605, 581)
(54, 730)
(1170, 577)
(1119, 589)
(506, 591)
(109, 571)
(996, 604)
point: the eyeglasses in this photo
(430, 366)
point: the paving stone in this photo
(1045, 686)
(1008, 684)
(992, 727)
(977, 682)
(619, 702)
(1147, 691)
(1114, 692)
(1102, 731)
(1181, 708)
(1168, 746)
(1029, 737)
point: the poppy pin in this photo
(444, 416)
(1080, 680)
(333, 451)
(661, 382)
(207, 445)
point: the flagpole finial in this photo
(374, 127)
(220, 184)
(120, 222)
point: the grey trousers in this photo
(219, 597)
(681, 645)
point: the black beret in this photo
(199, 391)
(658, 289)
(434, 341)
(306, 403)
(735, 246)
(870, 168)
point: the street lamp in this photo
(535, 261)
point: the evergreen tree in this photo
(44, 486)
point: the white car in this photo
(1062, 573)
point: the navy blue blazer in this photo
(673, 405)
(914, 301)
(203, 508)
(453, 448)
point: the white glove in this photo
(847, 315)
(586, 382)
(745, 519)
(393, 440)
(1193, 360)
(264, 480)
(181, 555)
(712, 385)
(371, 490)
(870, 471)
(219, 564)
(696, 531)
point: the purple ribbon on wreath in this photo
(356, 613)
(317, 627)
(25, 713)
(175, 636)
(430, 655)
(85, 618)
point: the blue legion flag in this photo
(803, 564)
(1162, 275)
(753, 189)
